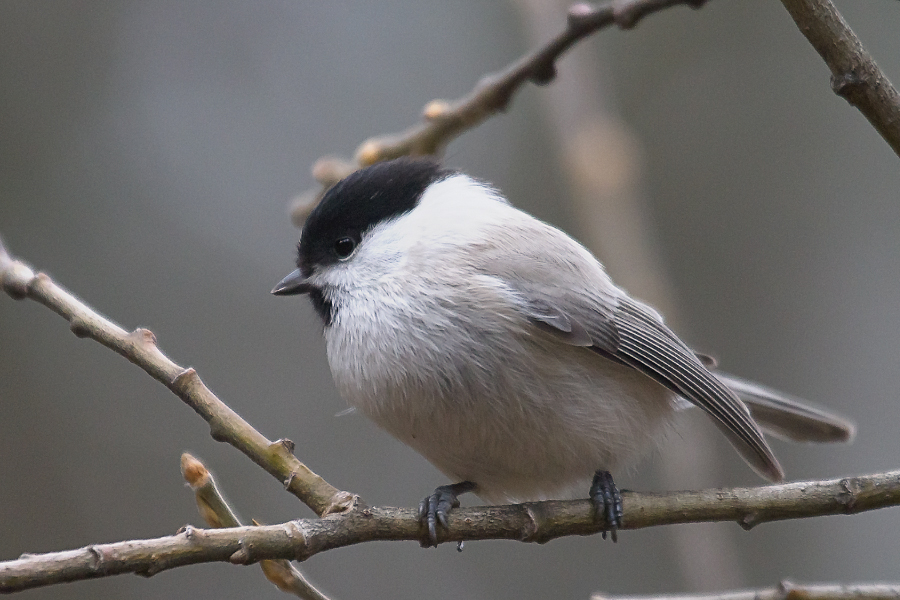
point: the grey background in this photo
(148, 151)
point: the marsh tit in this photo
(497, 346)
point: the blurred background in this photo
(148, 153)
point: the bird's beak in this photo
(293, 284)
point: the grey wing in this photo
(588, 327)
(632, 334)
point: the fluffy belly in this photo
(523, 431)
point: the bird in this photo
(497, 346)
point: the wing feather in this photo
(633, 334)
(649, 346)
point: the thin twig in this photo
(443, 121)
(210, 502)
(786, 590)
(139, 346)
(854, 74)
(532, 522)
(217, 513)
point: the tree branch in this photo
(217, 513)
(786, 590)
(139, 346)
(346, 521)
(444, 121)
(532, 522)
(854, 74)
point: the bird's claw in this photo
(607, 502)
(435, 508)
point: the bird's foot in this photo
(435, 508)
(607, 502)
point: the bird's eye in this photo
(344, 247)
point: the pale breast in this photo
(468, 393)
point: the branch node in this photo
(847, 84)
(218, 432)
(143, 337)
(242, 555)
(582, 18)
(185, 379)
(17, 280)
(368, 153)
(789, 591)
(79, 327)
(282, 446)
(190, 532)
(343, 502)
(579, 13)
(627, 13)
(435, 109)
(495, 92)
(542, 74)
(295, 531)
(96, 558)
(153, 567)
(188, 383)
(749, 521)
(532, 529)
(850, 488)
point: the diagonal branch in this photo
(854, 74)
(444, 121)
(532, 522)
(139, 346)
(217, 513)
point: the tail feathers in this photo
(787, 417)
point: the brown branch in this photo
(444, 121)
(217, 513)
(786, 590)
(854, 74)
(532, 522)
(139, 346)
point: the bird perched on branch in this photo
(497, 346)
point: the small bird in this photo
(496, 346)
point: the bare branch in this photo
(854, 74)
(444, 121)
(288, 578)
(532, 522)
(786, 590)
(215, 511)
(139, 346)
